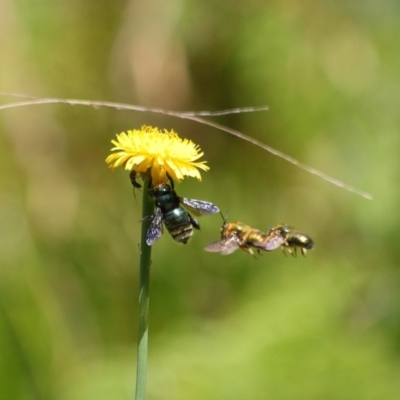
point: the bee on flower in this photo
(163, 157)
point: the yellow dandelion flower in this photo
(163, 153)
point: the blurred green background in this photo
(323, 327)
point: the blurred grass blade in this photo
(193, 116)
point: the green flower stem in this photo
(145, 261)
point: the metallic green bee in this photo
(292, 239)
(177, 220)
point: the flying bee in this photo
(293, 239)
(177, 220)
(236, 235)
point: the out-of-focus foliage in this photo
(322, 327)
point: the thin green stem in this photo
(145, 261)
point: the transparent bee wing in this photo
(155, 229)
(199, 207)
(225, 246)
(270, 243)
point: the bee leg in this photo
(171, 182)
(147, 218)
(304, 251)
(294, 252)
(194, 222)
(248, 250)
(284, 251)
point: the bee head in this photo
(160, 190)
